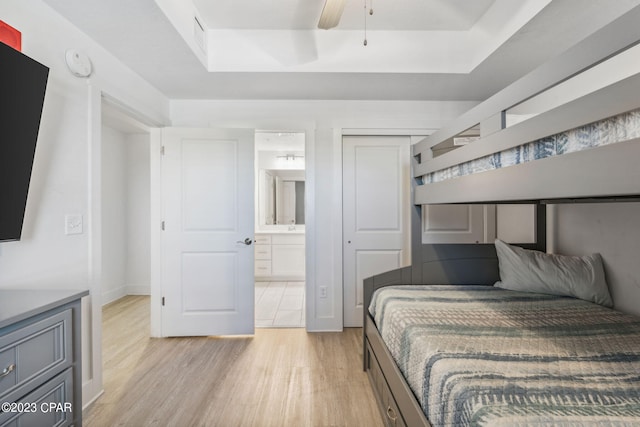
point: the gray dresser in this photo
(40, 358)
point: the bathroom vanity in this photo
(279, 256)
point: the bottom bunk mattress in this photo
(484, 356)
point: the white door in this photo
(288, 202)
(208, 212)
(376, 209)
(279, 200)
(269, 194)
(458, 224)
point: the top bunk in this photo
(567, 131)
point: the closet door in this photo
(376, 208)
(458, 223)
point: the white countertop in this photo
(280, 231)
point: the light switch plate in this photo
(73, 224)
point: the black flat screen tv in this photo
(23, 82)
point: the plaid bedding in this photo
(484, 356)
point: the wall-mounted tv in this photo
(22, 86)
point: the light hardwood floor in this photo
(279, 377)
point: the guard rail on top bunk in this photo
(545, 158)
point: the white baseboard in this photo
(89, 394)
(279, 278)
(113, 294)
(138, 289)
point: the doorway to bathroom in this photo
(280, 229)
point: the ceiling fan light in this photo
(331, 14)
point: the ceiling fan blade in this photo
(331, 13)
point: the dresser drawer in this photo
(262, 251)
(35, 352)
(386, 403)
(49, 405)
(262, 268)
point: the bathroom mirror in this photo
(281, 197)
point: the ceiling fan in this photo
(331, 13)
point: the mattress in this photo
(622, 127)
(484, 356)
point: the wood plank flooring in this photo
(279, 377)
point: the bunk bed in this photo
(441, 344)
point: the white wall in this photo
(271, 160)
(302, 115)
(114, 214)
(324, 123)
(125, 215)
(138, 264)
(65, 177)
(612, 230)
(614, 69)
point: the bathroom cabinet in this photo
(279, 256)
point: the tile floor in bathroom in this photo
(280, 305)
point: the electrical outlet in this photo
(73, 224)
(323, 291)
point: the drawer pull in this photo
(391, 414)
(6, 371)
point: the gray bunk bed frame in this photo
(435, 264)
(467, 264)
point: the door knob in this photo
(246, 241)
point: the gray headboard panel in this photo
(458, 265)
(454, 264)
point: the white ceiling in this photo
(454, 36)
(271, 49)
(412, 15)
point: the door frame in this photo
(92, 386)
(155, 198)
(156, 220)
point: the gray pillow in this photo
(534, 271)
